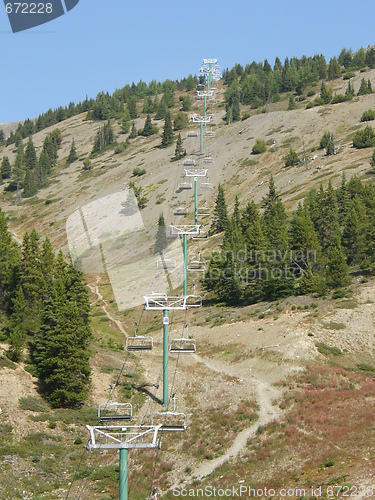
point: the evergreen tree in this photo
(220, 214)
(354, 232)
(30, 187)
(292, 103)
(337, 269)
(72, 157)
(18, 171)
(162, 110)
(149, 128)
(343, 199)
(161, 237)
(133, 133)
(60, 351)
(372, 161)
(363, 89)
(167, 137)
(30, 155)
(325, 93)
(8, 260)
(126, 119)
(364, 138)
(291, 158)
(6, 168)
(2, 137)
(179, 152)
(334, 70)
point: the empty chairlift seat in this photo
(206, 186)
(182, 346)
(114, 412)
(139, 343)
(188, 162)
(203, 211)
(192, 133)
(166, 264)
(208, 159)
(180, 210)
(170, 421)
(185, 185)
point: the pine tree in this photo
(220, 215)
(328, 218)
(354, 232)
(30, 155)
(372, 161)
(337, 269)
(161, 237)
(343, 199)
(72, 157)
(325, 93)
(179, 152)
(167, 137)
(8, 260)
(61, 351)
(6, 168)
(149, 128)
(30, 187)
(133, 133)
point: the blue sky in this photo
(104, 44)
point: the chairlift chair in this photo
(183, 345)
(196, 266)
(170, 421)
(192, 133)
(202, 236)
(208, 159)
(110, 412)
(180, 210)
(206, 186)
(203, 211)
(188, 162)
(166, 264)
(185, 185)
(139, 342)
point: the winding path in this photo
(265, 394)
(104, 303)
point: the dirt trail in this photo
(104, 303)
(265, 394)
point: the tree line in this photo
(46, 307)
(258, 83)
(28, 172)
(265, 256)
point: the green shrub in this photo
(137, 172)
(368, 115)
(364, 138)
(328, 350)
(120, 148)
(259, 147)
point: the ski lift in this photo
(170, 421)
(180, 210)
(139, 342)
(200, 87)
(203, 211)
(166, 263)
(208, 159)
(184, 345)
(196, 265)
(210, 133)
(188, 162)
(185, 185)
(206, 186)
(192, 133)
(110, 412)
(202, 236)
